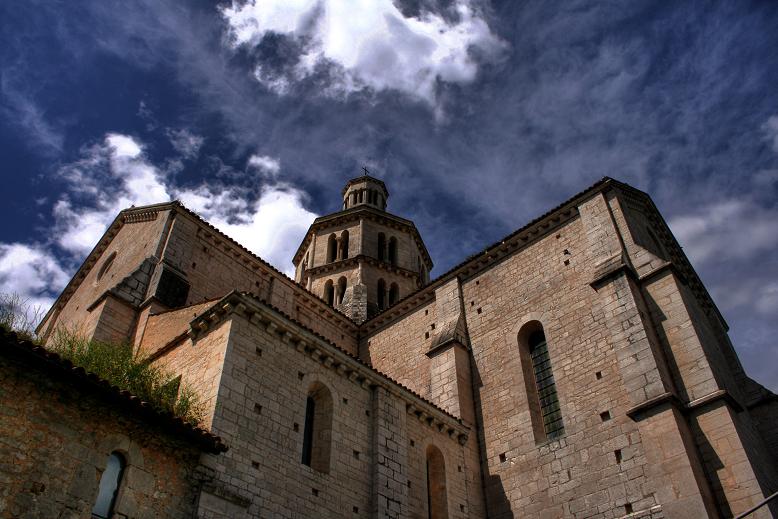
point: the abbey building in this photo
(577, 368)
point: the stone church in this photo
(576, 368)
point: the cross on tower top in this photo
(364, 168)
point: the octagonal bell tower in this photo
(362, 259)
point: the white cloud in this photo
(271, 227)
(30, 272)
(770, 129)
(732, 229)
(123, 146)
(111, 176)
(116, 174)
(268, 167)
(372, 43)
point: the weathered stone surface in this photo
(659, 418)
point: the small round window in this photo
(106, 266)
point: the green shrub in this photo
(117, 364)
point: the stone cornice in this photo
(352, 262)
(331, 356)
(719, 396)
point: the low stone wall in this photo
(55, 440)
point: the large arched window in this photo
(341, 290)
(344, 245)
(317, 433)
(393, 250)
(381, 294)
(437, 501)
(394, 294)
(381, 246)
(332, 248)
(329, 292)
(539, 382)
(110, 482)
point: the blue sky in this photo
(479, 116)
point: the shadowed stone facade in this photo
(577, 368)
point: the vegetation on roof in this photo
(117, 364)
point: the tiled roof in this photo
(11, 345)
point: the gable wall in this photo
(133, 244)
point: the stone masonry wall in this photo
(399, 349)
(578, 475)
(200, 363)
(213, 266)
(261, 414)
(601, 467)
(132, 244)
(54, 444)
(701, 359)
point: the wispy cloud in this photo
(770, 128)
(728, 230)
(186, 143)
(21, 109)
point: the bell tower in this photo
(362, 259)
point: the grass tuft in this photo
(116, 363)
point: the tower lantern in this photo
(365, 190)
(362, 259)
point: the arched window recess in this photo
(110, 484)
(437, 500)
(545, 411)
(317, 431)
(329, 292)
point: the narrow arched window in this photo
(332, 248)
(437, 501)
(361, 195)
(393, 251)
(341, 290)
(381, 246)
(394, 294)
(545, 412)
(317, 432)
(329, 292)
(110, 482)
(344, 245)
(381, 294)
